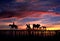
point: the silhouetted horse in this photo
(13, 26)
(36, 26)
(28, 26)
(44, 28)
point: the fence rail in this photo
(29, 32)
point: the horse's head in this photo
(9, 24)
(43, 26)
(28, 26)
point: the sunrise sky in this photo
(22, 12)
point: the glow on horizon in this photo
(56, 27)
(47, 28)
(24, 28)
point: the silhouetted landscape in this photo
(30, 34)
(30, 20)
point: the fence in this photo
(29, 32)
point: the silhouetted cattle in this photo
(13, 26)
(36, 26)
(28, 26)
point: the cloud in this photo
(28, 19)
(55, 19)
(22, 14)
(20, 0)
(29, 11)
(8, 20)
(5, 1)
(42, 5)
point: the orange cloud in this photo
(21, 14)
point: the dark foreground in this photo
(29, 35)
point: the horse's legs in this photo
(37, 28)
(11, 28)
(33, 28)
(16, 28)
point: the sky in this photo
(22, 12)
